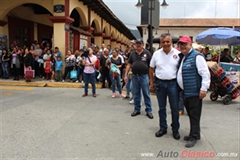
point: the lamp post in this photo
(150, 27)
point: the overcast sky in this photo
(126, 11)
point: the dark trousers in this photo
(41, 70)
(15, 72)
(21, 72)
(105, 75)
(36, 68)
(67, 70)
(193, 106)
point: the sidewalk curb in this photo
(46, 84)
(27, 84)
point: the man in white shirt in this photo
(193, 77)
(165, 62)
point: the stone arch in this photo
(114, 33)
(82, 15)
(117, 35)
(106, 30)
(10, 6)
(96, 27)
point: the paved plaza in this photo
(46, 123)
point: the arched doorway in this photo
(28, 23)
(78, 37)
(93, 25)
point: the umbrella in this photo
(218, 36)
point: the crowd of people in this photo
(181, 74)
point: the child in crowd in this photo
(58, 74)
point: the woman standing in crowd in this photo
(53, 64)
(69, 64)
(47, 64)
(15, 63)
(89, 71)
(116, 61)
(21, 54)
(32, 50)
(5, 62)
(79, 66)
(42, 66)
(28, 58)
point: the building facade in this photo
(68, 24)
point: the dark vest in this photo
(191, 79)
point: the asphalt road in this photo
(57, 123)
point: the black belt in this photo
(139, 74)
(166, 80)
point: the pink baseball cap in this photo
(185, 39)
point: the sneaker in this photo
(77, 81)
(122, 95)
(131, 102)
(62, 80)
(113, 95)
(82, 82)
(52, 80)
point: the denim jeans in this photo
(181, 102)
(5, 69)
(116, 79)
(128, 87)
(141, 84)
(162, 90)
(89, 77)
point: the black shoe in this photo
(135, 113)
(191, 142)
(160, 133)
(186, 138)
(127, 97)
(176, 135)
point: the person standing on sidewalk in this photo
(193, 77)
(5, 62)
(115, 64)
(104, 69)
(69, 64)
(165, 62)
(89, 61)
(59, 65)
(139, 62)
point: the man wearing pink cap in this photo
(193, 77)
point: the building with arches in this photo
(68, 24)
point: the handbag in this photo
(73, 74)
(115, 71)
(29, 73)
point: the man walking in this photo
(139, 62)
(194, 78)
(165, 62)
